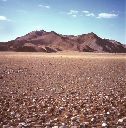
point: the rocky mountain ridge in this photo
(42, 41)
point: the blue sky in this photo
(106, 18)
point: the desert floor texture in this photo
(62, 90)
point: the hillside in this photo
(42, 41)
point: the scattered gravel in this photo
(39, 91)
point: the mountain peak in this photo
(92, 34)
(32, 35)
(42, 41)
(39, 33)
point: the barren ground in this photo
(65, 90)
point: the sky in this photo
(106, 18)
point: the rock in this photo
(1, 77)
(104, 125)
(73, 126)
(108, 113)
(22, 124)
(120, 127)
(63, 126)
(55, 127)
(85, 124)
(93, 119)
(82, 126)
(52, 41)
(73, 118)
(6, 126)
(120, 120)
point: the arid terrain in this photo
(51, 42)
(62, 90)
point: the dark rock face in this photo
(3, 48)
(26, 49)
(49, 50)
(42, 41)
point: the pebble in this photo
(104, 125)
(73, 126)
(108, 113)
(6, 126)
(92, 120)
(29, 98)
(55, 127)
(63, 126)
(22, 124)
(1, 77)
(120, 120)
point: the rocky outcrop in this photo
(42, 41)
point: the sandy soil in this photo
(65, 90)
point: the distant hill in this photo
(42, 41)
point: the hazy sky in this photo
(106, 18)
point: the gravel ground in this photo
(62, 90)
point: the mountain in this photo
(42, 41)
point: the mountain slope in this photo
(42, 41)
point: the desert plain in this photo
(62, 90)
